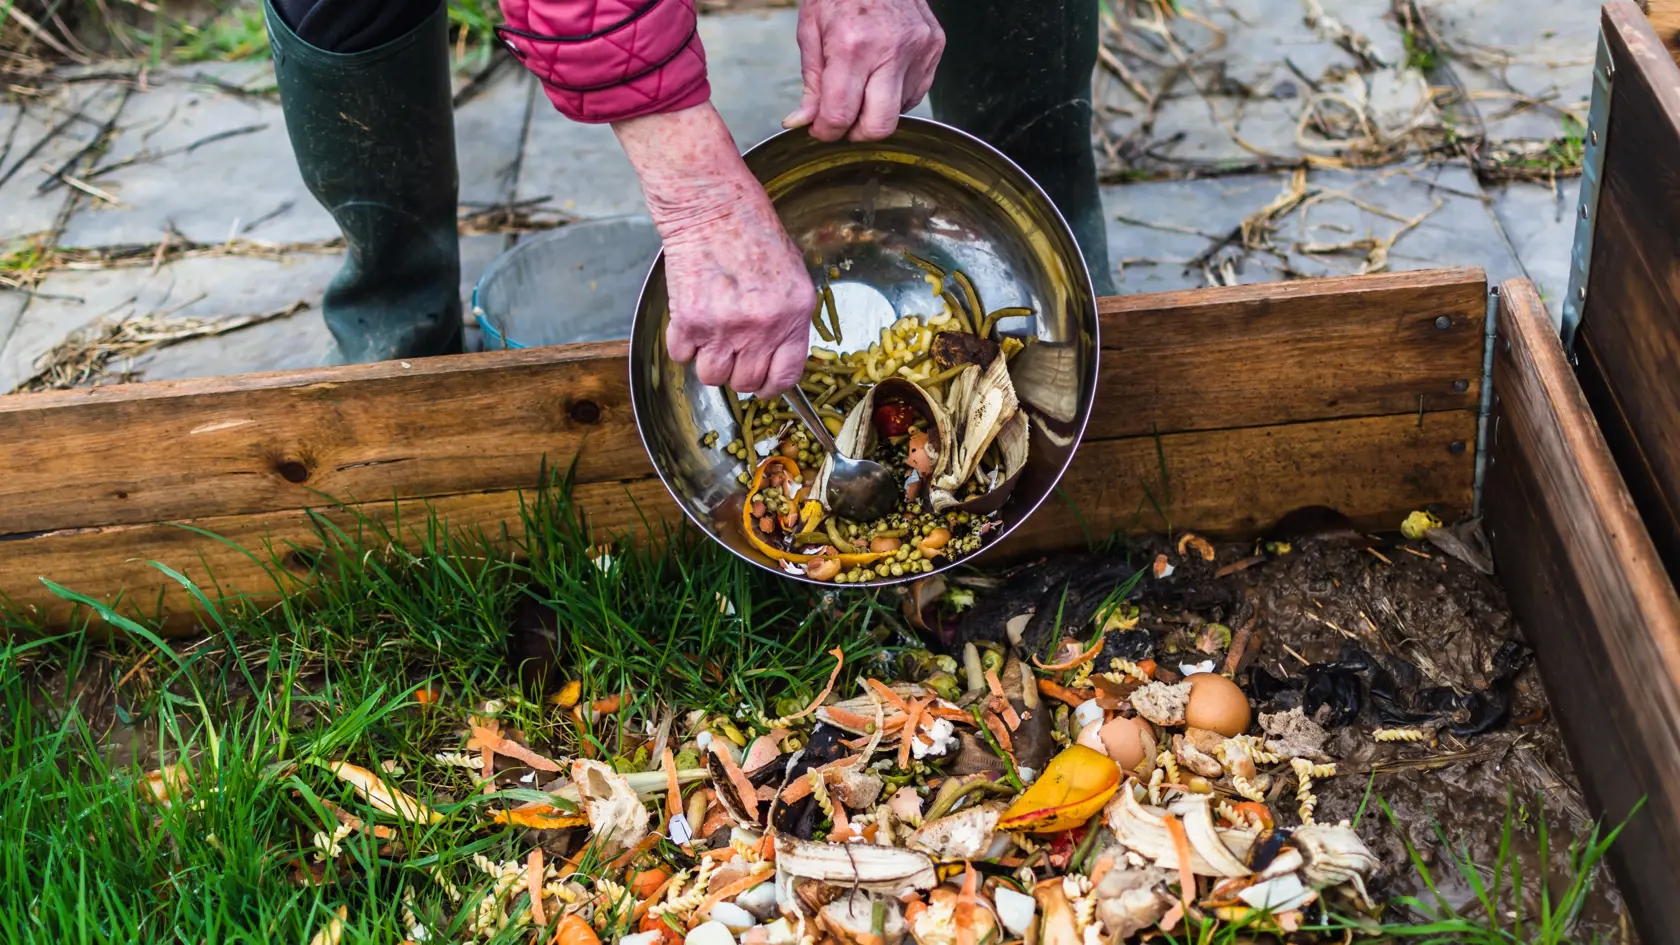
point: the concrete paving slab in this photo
(1461, 231)
(12, 303)
(23, 208)
(210, 188)
(1540, 223)
(1505, 52)
(1156, 227)
(204, 287)
(1254, 67)
(489, 128)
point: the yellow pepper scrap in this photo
(1074, 786)
(751, 527)
(1417, 523)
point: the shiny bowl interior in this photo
(930, 190)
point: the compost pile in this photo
(1089, 749)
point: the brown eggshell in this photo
(1123, 740)
(1217, 704)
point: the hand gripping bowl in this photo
(855, 210)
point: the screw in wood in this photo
(1455, 447)
(1461, 385)
(1443, 322)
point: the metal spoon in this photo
(861, 490)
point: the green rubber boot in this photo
(1017, 75)
(374, 136)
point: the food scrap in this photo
(932, 400)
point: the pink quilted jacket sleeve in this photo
(608, 60)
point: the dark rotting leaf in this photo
(1131, 645)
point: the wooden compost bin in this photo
(1221, 409)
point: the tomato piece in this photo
(894, 419)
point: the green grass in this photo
(252, 707)
(1420, 54)
(234, 30)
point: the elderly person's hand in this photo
(864, 62)
(740, 297)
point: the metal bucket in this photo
(579, 282)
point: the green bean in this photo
(747, 434)
(836, 394)
(926, 266)
(842, 545)
(811, 538)
(816, 319)
(889, 533)
(830, 367)
(957, 310)
(833, 316)
(970, 293)
(944, 376)
(992, 319)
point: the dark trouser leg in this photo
(364, 85)
(1017, 74)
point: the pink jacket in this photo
(607, 60)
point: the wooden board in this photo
(1629, 342)
(1590, 593)
(1287, 351)
(1226, 482)
(1230, 357)
(1253, 400)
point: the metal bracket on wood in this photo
(1484, 409)
(1586, 216)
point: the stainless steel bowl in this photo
(930, 190)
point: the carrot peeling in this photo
(885, 692)
(1008, 711)
(839, 661)
(501, 745)
(652, 898)
(1061, 693)
(1001, 732)
(743, 787)
(909, 733)
(966, 902)
(1181, 848)
(673, 791)
(534, 882)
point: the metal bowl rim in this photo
(1088, 404)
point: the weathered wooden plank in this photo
(1622, 379)
(101, 562)
(1257, 355)
(1629, 342)
(1587, 588)
(1237, 356)
(1664, 16)
(1234, 483)
(1228, 482)
(265, 442)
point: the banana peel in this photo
(1075, 785)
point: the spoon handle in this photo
(802, 405)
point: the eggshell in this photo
(1216, 703)
(1091, 736)
(1123, 739)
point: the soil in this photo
(1406, 603)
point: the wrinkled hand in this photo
(740, 299)
(864, 62)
